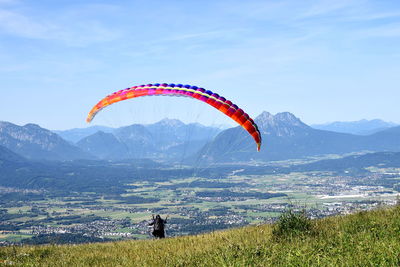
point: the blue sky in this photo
(321, 60)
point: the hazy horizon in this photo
(221, 126)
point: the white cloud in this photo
(22, 26)
(68, 31)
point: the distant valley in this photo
(106, 183)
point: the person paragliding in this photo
(158, 226)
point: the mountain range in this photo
(284, 137)
(165, 140)
(77, 134)
(36, 143)
(361, 127)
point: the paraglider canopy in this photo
(207, 96)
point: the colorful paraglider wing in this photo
(213, 99)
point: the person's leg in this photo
(157, 234)
(162, 234)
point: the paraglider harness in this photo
(158, 226)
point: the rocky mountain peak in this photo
(32, 126)
(280, 124)
(34, 142)
(265, 116)
(6, 126)
(5, 123)
(98, 134)
(170, 122)
(289, 118)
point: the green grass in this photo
(362, 239)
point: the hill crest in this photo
(361, 239)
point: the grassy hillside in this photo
(362, 239)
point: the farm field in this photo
(197, 204)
